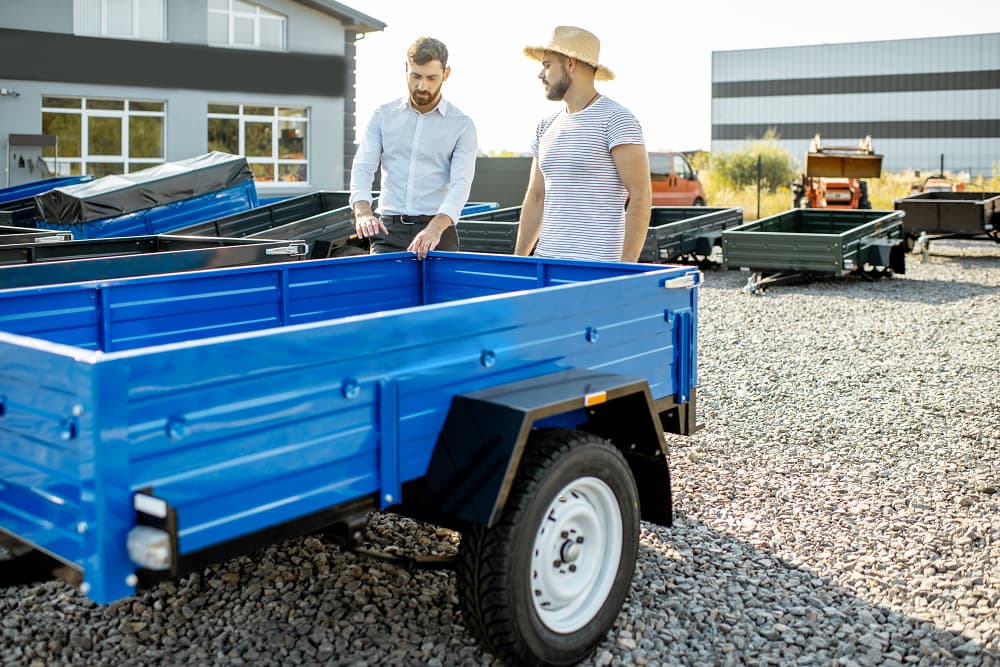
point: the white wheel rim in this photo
(576, 554)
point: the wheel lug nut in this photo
(572, 568)
(579, 539)
(564, 535)
(556, 563)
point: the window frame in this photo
(129, 164)
(242, 118)
(260, 14)
(79, 8)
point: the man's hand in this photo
(366, 223)
(428, 238)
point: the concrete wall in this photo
(501, 179)
(41, 15)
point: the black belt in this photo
(408, 219)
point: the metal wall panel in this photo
(919, 98)
(906, 56)
(953, 105)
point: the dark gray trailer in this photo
(10, 235)
(676, 233)
(36, 264)
(687, 233)
(493, 231)
(322, 218)
(816, 242)
(950, 215)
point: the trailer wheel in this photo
(545, 584)
(864, 202)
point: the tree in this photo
(739, 167)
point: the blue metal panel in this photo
(42, 471)
(287, 389)
(168, 217)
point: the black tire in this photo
(864, 201)
(699, 202)
(505, 591)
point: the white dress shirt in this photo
(428, 160)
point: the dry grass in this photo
(883, 192)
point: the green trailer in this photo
(816, 242)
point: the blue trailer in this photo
(150, 425)
(17, 203)
(158, 200)
(27, 190)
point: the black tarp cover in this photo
(117, 195)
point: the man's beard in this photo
(557, 89)
(422, 98)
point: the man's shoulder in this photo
(453, 112)
(612, 106)
(393, 105)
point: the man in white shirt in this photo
(589, 160)
(427, 148)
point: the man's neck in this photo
(579, 98)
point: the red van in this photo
(675, 182)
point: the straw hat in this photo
(575, 43)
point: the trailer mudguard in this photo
(484, 435)
(889, 253)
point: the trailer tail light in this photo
(149, 547)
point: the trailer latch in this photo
(688, 280)
(293, 250)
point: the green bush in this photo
(739, 168)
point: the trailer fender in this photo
(479, 448)
(888, 252)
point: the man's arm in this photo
(462, 171)
(530, 223)
(632, 163)
(362, 175)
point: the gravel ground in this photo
(839, 507)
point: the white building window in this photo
(122, 19)
(245, 25)
(104, 136)
(274, 139)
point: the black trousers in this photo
(401, 235)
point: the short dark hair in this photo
(426, 49)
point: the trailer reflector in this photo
(595, 399)
(150, 505)
(149, 547)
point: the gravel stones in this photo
(841, 506)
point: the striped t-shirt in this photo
(584, 212)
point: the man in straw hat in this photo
(427, 148)
(589, 160)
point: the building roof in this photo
(351, 18)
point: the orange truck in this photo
(674, 181)
(833, 176)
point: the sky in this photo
(659, 50)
